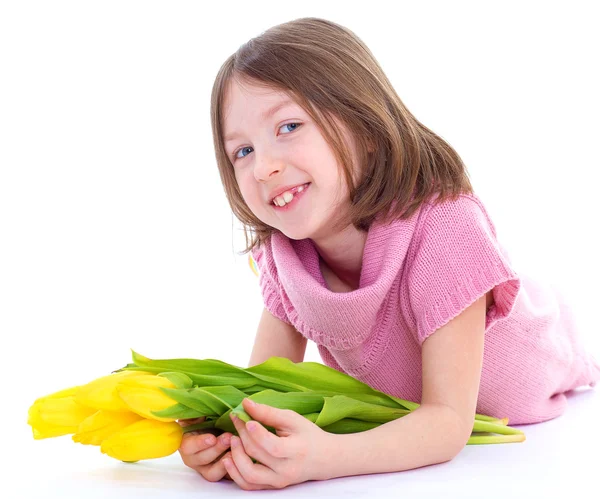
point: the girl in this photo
(370, 242)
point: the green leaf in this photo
(178, 411)
(345, 426)
(208, 401)
(137, 358)
(180, 380)
(300, 402)
(341, 407)
(205, 425)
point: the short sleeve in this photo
(268, 281)
(455, 260)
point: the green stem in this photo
(490, 419)
(484, 426)
(496, 439)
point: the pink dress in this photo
(418, 274)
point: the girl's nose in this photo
(266, 167)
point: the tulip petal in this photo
(143, 395)
(63, 412)
(56, 415)
(102, 425)
(145, 439)
(102, 394)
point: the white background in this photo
(115, 232)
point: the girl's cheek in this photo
(251, 196)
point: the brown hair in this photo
(329, 71)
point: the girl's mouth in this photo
(290, 198)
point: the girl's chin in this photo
(297, 231)
(306, 229)
(296, 235)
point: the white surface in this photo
(115, 232)
(558, 456)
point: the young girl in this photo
(371, 242)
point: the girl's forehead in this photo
(236, 94)
(253, 103)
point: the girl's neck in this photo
(342, 253)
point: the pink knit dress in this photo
(418, 274)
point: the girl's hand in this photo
(298, 453)
(206, 459)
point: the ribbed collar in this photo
(342, 317)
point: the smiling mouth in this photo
(287, 197)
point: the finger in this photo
(273, 445)
(215, 471)
(202, 454)
(192, 443)
(284, 421)
(251, 446)
(235, 474)
(231, 463)
(254, 474)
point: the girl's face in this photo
(278, 151)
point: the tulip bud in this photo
(57, 414)
(102, 394)
(145, 439)
(102, 425)
(143, 395)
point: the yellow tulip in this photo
(103, 424)
(57, 414)
(146, 439)
(102, 394)
(142, 395)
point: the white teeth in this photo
(283, 199)
(286, 197)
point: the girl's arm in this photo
(439, 429)
(275, 338)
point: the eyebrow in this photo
(264, 116)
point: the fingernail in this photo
(251, 402)
(235, 441)
(226, 440)
(209, 441)
(251, 426)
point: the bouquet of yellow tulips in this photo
(133, 413)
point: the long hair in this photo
(330, 72)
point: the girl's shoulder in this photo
(466, 210)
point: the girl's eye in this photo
(239, 151)
(293, 126)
